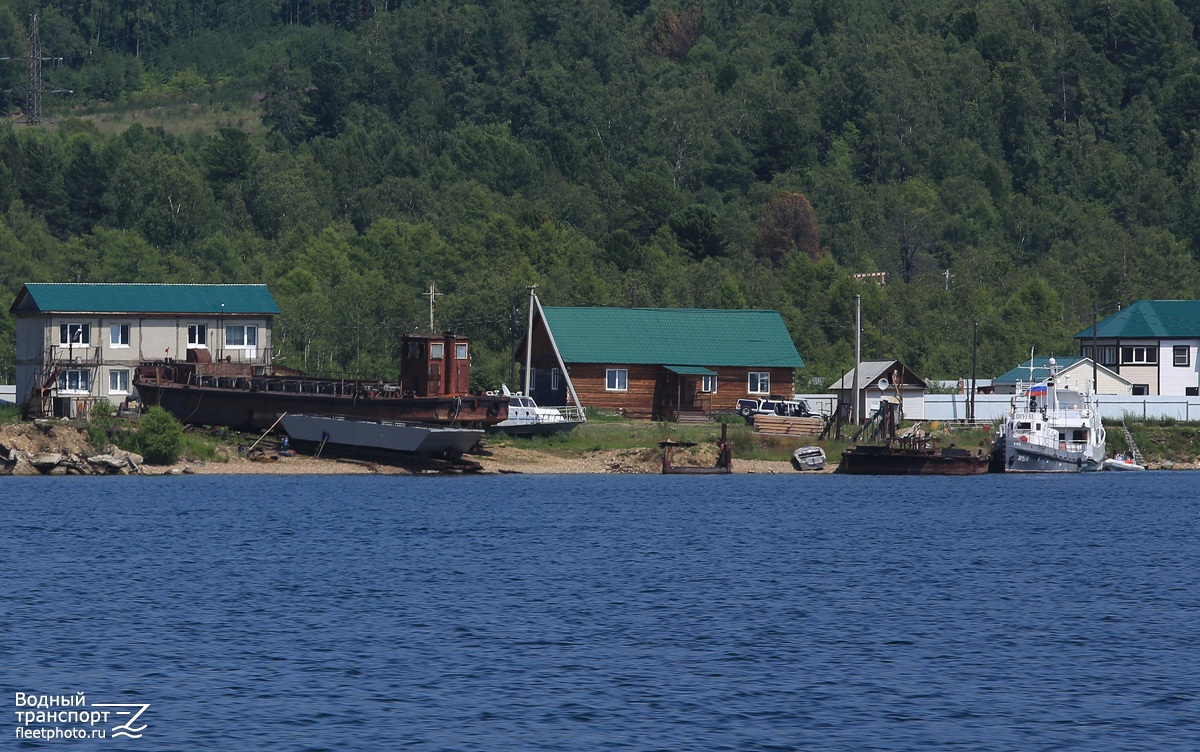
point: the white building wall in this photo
(1175, 380)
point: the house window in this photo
(241, 336)
(118, 335)
(1141, 390)
(460, 351)
(1182, 355)
(197, 336)
(1108, 355)
(759, 382)
(73, 381)
(436, 350)
(616, 379)
(1139, 355)
(708, 384)
(554, 379)
(1191, 391)
(1087, 351)
(118, 381)
(79, 335)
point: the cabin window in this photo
(73, 381)
(1139, 354)
(759, 382)
(79, 335)
(1191, 391)
(1141, 390)
(118, 381)
(241, 336)
(118, 335)
(1182, 355)
(197, 336)
(415, 351)
(708, 384)
(460, 351)
(437, 350)
(1022, 426)
(554, 379)
(616, 379)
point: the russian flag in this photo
(1037, 391)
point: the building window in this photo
(708, 384)
(1139, 355)
(436, 350)
(118, 335)
(1108, 355)
(79, 335)
(1182, 355)
(197, 336)
(118, 381)
(1087, 351)
(73, 381)
(1141, 390)
(460, 351)
(1191, 391)
(241, 336)
(616, 379)
(759, 382)
(554, 379)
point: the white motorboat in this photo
(1051, 429)
(525, 418)
(1122, 463)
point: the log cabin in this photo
(658, 363)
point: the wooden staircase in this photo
(1133, 450)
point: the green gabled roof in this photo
(38, 297)
(1041, 369)
(1150, 319)
(672, 336)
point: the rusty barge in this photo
(433, 389)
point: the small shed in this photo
(884, 378)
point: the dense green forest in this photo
(1012, 162)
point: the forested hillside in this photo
(1011, 162)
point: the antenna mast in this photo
(433, 294)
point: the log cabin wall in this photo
(652, 388)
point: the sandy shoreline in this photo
(503, 459)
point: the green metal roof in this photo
(1150, 319)
(690, 370)
(675, 336)
(1041, 369)
(38, 297)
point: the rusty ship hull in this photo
(892, 460)
(255, 402)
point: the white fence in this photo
(992, 407)
(8, 393)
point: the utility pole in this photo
(432, 295)
(855, 418)
(974, 369)
(529, 340)
(34, 87)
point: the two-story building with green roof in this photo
(661, 363)
(1153, 344)
(78, 343)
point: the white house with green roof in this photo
(77, 343)
(1153, 344)
(662, 363)
(1072, 370)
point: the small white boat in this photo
(1122, 463)
(809, 458)
(525, 418)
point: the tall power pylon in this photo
(34, 87)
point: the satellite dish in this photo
(883, 384)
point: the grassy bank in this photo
(1158, 440)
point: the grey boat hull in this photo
(380, 435)
(1025, 458)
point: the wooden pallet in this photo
(779, 426)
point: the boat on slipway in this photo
(1050, 428)
(384, 440)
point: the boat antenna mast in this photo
(433, 294)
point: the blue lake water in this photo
(773, 612)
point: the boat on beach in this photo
(1050, 428)
(433, 389)
(378, 437)
(526, 418)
